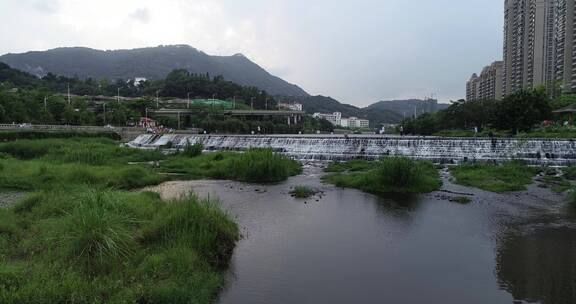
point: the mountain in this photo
(150, 63)
(407, 108)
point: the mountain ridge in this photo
(150, 63)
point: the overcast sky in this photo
(357, 51)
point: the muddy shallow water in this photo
(346, 246)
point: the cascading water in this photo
(319, 147)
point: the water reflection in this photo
(540, 266)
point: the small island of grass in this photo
(512, 176)
(302, 192)
(388, 175)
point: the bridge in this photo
(292, 117)
(126, 133)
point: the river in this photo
(346, 246)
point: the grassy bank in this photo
(44, 164)
(84, 245)
(495, 178)
(81, 237)
(388, 175)
(34, 164)
(17, 135)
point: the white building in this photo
(334, 118)
(337, 120)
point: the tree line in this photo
(27, 98)
(518, 112)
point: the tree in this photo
(563, 101)
(522, 110)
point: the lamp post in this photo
(157, 100)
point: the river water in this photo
(346, 246)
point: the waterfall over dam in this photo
(338, 147)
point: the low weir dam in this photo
(532, 151)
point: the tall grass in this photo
(349, 166)
(197, 224)
(391, 175)
(91, 151)
(42, 174)
(19, 135)
(262, 166)
(256, 165)
(95, 233)
(104, 246)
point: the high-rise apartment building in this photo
(539, 45)
(564, 45)
(528, 44)
(487, 86)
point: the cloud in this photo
(356, 51)
(141, 15)
(48, 6)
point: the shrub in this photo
(302, 192)
(570, 173)
(193, 150)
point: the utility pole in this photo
(234, 104)
(178, 120)
(266, 107)
(69, 94)
(252, 103)
(45, 103)
(188, 100)
(104, 105)
(118, 96)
